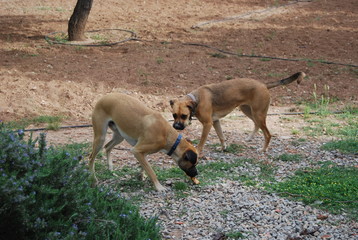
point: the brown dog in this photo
(144, 129)
(211, 102)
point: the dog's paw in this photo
(224, 147)
(160, 188)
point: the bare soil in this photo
(38, 78)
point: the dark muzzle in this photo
(191, 172)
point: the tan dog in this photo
(211, 102)
(144, 129)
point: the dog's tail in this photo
(297, 76)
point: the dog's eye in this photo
(183, 116)
(175, 115)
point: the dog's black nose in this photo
(178, 126)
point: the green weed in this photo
(265, 59)
(235, 235)
(329, 187)
(53, 122)
(218, 55)
(289, 157)
(61, 38)
(295, 131)
(298, 142)
(159, 60)
(235, 148)
(232, 148)
(344, 146)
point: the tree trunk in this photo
(77, 23)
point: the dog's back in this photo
(124, 111)
(235, 92)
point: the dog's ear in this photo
(192, 108)
(191, 156)
(171, 102)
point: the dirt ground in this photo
(38, 78)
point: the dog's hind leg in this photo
(116, 139)
(99, 130)
(246, 109)
(219, 132)
(259, 117)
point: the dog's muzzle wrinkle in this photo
(178, 126)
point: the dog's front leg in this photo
(219, 132)
(204, 136)
(145, 165)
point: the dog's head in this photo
(186, 157)
(188, 163)
(182, 111)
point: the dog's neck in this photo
(175, 145)
(192, 97)
(195, 101)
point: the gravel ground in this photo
(210, 212)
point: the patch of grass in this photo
(232, 148)
(169, 173)
(319, 103)
(98, 37)
(272, 35)
(235, 235)
(159, 60)
(218, 55)
(235, 148)
(330, 187)
(267, 171)
(53, 122)
(212, 172)
(295, 131)
(60, 38)
(181, 189)
(126, 179)
(344, 146)
(348, 134)
(265, 59)
(298, 142)
(144, 76)
(276, 75)
(289, 157)
(28, 55)
(310, 63)
(102, 39)
(79, 48)
(320, 127)
(180, 186)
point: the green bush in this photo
(45, 193)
